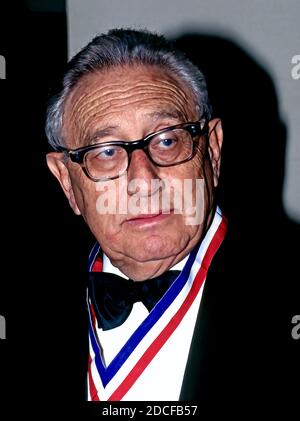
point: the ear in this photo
(55, 162)
(215, 141)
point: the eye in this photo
(106, 153)
(166, 143)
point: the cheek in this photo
(196, 166)
(194, 191)
(95, 204)
(201, 169)
(83, 189)
(185, 179)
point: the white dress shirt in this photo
(170, 362)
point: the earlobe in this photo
(55, 162)
(215, 139)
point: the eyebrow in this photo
(106, 131)
(173, 114)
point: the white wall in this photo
(268, 29)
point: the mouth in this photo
(147, 220)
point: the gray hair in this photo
(120, 47)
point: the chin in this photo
(155, 247)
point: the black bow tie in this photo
(112, 297)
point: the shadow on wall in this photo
(243, 96)
(250, 192)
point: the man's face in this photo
(127, 104)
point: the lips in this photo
(148, 219)
(144, 216)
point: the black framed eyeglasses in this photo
(165, 148)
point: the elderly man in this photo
(138, 156)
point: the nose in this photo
(140, 174)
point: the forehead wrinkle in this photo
(144, 80)
(129, 99)
(85, 128)
(144, 74)
(112, 91)
(181, 112)
(113, 99)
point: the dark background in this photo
(44, 246)
(41, 261)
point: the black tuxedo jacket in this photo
(243, 357)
